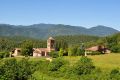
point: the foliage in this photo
(54, 54)
(78, 51)
(61, 52)
(47, 30)
(4, 54)
(61, 44)
(56, 64)
(115, 74)
(72, 51)
(74, 39)
(84, 66)
(113, 42)
(27, 48)
(115, 48)
(13, 70)
(75, 51)
(114, 71)
(9, 43)
(40, 68)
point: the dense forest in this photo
(8, 43)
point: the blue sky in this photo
(87, 13)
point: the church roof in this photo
(51, 38)
(38, 50)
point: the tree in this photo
(54, 54)
(56, 64)
(78, 51)
(82, 50)
(84, 66)
(61, 52)
(72, 51)
(27, 48)
(11, 69)
(61, 44)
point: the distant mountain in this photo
(45, 30)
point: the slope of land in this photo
(45, 30)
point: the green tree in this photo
(27, 48)
(78, 51)
(72, 51)
(54, 54)
(61, 44)
(11, 69)
(56, 64)
(84, 66)
(61, 52)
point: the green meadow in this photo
(105, 62)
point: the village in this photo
(44, 52)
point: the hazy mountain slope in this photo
(45, 30)
(102, 30)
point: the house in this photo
(37, 52)
(97, 48)
(16, 52)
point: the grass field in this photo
(105, 62)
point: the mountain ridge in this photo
(45, 30)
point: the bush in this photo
(54, 54)
(15, 70)
(56, 64)
(39, 65)
(114, 71)
(72, 51)
(84, 66)
(115, 74)
(61, 52)
(4, 54)
(116, 48)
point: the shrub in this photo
(56, 64)
(115, 74)
(114, 71)
(84, 66)
(39, 65)
(54, 54)
(115, 48)
(61, 52)
(72, 51)
(27, 48)
(4, 54)
(15, 70)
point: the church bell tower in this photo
(50, 44)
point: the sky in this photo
(86, 13)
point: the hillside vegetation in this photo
(99, 67)
(45, 30)
(9, 43)
(73, 66)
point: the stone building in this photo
(97, 48)
(37, 52)
(44, 51)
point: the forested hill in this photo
(46, 30)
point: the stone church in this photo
(37, 52)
